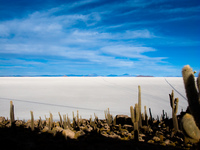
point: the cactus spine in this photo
(174, 105)
(12, 116)
(32, 121)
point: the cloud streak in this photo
(89, 34)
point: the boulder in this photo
(67, 133)
(2, 119)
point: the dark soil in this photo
(24, 138)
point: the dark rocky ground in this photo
(89, 136)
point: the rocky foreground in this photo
(91, 134)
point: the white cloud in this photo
(127, 51)
(44, 34)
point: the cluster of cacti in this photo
(108, 117)
(114, 130)
(174, 106)
(135, 120)
(191, 120)
(109, 127)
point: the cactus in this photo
(135, 120)
(191, 131)
(61, 122)
(12, 116)
(151, 118)
(132, 114)
(65, 122)
(32, 121)
(40, 122)
(193, 95)
(136, 113)
(163, 115)
(174, 105)
(145, 115)
(77, 118)
(74, 120)
(139, 106)
(51, 121)
(108, 117)
(68, 122)
(191, 123)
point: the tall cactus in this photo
(174, 105)
(135, 120)
(61, 122)
(139, 106)
(12, 116)
(193, 95)
(32, 121)
(191, 123)
(132, 114)
(145, 115)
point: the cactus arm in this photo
(176, 105)
(190, 129)
(191, 92)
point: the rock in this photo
(79, 134)
(150, 141)
(106, 126)
(2, 119)
(128, 127)
(58, 129)
(141, 139)
(114, 136)
(68, 134)
(167, 141)
(45, 129)
(156, 139)
(123, 119)
(19, 123)
(142, 135)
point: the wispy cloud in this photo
(93, 33)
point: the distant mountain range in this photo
(75, 75)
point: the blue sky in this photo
(138, 37)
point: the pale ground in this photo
(89, 95)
